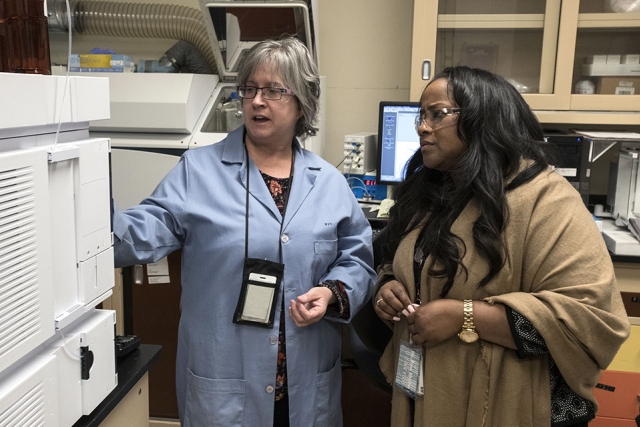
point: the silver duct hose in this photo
(139, 20)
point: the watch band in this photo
(468, 333)
(467, 309)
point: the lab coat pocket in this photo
(213, 402)
(328, 409)
(325, 253)
(325, 247)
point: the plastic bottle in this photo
(24, 37)
(585, 87)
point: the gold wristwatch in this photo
(468, 333)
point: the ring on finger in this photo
(378, 302)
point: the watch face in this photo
(468, 336)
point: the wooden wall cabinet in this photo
(539, 44)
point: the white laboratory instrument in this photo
(155, 117)
(360, 150)
(57, 355)
(621, 233)
(626, 205)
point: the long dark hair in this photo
(499, 130)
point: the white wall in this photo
(364, 54)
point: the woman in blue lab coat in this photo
(259, 340)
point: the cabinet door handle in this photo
(426, 69)
(138, 274)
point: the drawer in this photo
(617, 395)
(611, 422)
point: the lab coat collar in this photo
(306, 170)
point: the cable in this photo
(55, 143)
(364, 186)
(66, 80)
(343, 159)
(348, 172)
(66, 350)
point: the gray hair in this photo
(291, 59)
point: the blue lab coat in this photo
(226, 372)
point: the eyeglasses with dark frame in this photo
(433, 118)
(268, 93)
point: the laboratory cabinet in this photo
(574, 61)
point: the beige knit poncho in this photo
(558, 275)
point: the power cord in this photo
(366, 195)
(66, 80)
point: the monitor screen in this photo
(397, 139)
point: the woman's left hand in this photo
(435, 321)
(311, 306)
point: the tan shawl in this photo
(559, 276)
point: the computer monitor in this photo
(397, 140)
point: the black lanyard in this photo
(284, 210)
(419, 258)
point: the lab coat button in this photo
(284, 238)
(269, 389)
(273, 340)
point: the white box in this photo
(596, 59)
(360, 152)
(97, 335)
(613, 59)
(610, 70)
(630, 59)
(93, 333)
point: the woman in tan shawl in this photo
(494, 278)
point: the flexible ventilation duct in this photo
(136, 20)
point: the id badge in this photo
(410, 373)
(259, 293)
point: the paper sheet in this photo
(609, 135)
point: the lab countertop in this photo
(622, 244)
(131, 368)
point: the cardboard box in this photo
(101, 70)
(104, 61)
(618, 85)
